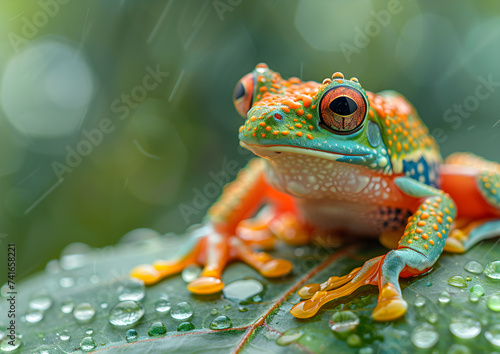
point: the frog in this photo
(334, 161)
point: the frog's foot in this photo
(214, 251)
(383, 271)
(264, 230)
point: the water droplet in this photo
(492, 270)
(343, 321)
(104, 305)
(6, 347)
(428, 284)
(290, 335)
(191, 273)
(214, 312)
(227, 307)
(299, 251)
(67, 306)
(67, 282)
(474, 267)
(94, 279)
(157, 329)
(221, 322)
(478, 289)
(474, 297)
(243, 289)
(457, 281)
(419, 302)
(34, 316)
(424, 336)
(493, 303)
(84, 312)
(87, 344)
(40, 302)
(64, 335)
(353, 340)
(162, 306)
(185, 326)
(89, 331)
(125, 313)
(458, 349)
(182, 311)
(131, 289)
(242, 309)
(366, 350)
(465, 326)
(131, 335)
(2, 335)
(492, 335)
(257, 298)
(444, 297)
(433, 317)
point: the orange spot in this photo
(263, 89)
(262, 124)
(435, 227)
(298, 125)
(241, 128)
(426, 247)
(309, 116)
(286, 132)
(419, 230)
(425, 236)
(263, 135)
(310, 127)
(415, 238)
(438, 199)
(449, 219)
(431, 242)
(388, 123)
(300, 112)
(439, 219)
(410, 241)
(420, 212)
(447, 211)
(309, 136)
(285, 109)
(398, 147)
(268, 128)
(276, 132)
(421, 223)
(425, 215)
(299, 133)
(313, 107)
(253, 118)
(424, 207)
(435, 205)
(370, 112)
(253, 134)
(439, 234)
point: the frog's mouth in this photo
(273, 151)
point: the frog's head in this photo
(331, 121)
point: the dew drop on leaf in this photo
(242, 309)
(64, 335)
(162, 306)
(182, 311)
(492, 335)
(493, 303)
(67, 306)
(492, 270)
(433, 317)
(474, 297)
(125, 313)
(353, 340)
(84, 312)
(444, 297)
(465, 325)
(478, 289)
(457, 281)
(89, 331)
(87, 344)
(458, 349)
(185, 326)
(290, 336)
(343, 321)
(34, 316)
(214, 312)
(6, 347)
(419, 301)
(131, 335)
(191, 273)
(40, 302)
(66, 282)
(157, 329)
(220, 322)
(424, 336)
(131, 289)
(474, 267)
(244, 289)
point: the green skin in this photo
(391, 141)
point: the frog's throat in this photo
(272, 151)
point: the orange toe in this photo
(276, 268)
(390, 305)
(307, 291)
(147, 273)
(205, 285)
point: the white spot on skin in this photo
(420, 168)
(311, 179)
(297, 189)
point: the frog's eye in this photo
(243, 94)
(342, 109)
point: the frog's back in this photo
(411, 148)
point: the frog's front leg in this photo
(422, 242)
(227, 235)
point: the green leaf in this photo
(256, 325)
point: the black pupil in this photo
(239, 91)
(343, 106)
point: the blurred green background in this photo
(76, 79)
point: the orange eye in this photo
(243, 94)
(342, 109)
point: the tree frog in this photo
(334, 159)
